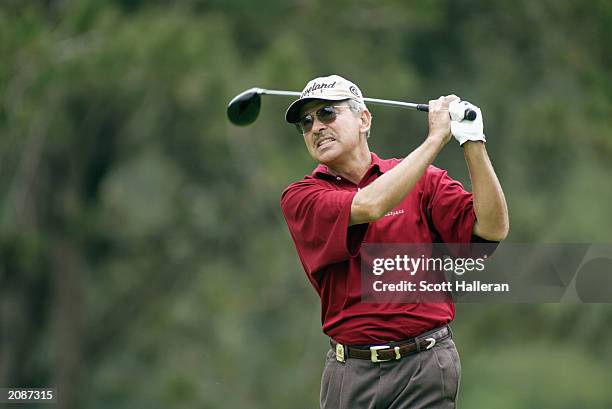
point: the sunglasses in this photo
(325, 115)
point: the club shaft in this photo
(375, 101)
(401, 104)
(277, 92)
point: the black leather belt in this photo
(393, 350)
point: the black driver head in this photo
(244, 108)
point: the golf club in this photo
(244, 108)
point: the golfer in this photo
(384, 355)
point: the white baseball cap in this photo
(331, 88)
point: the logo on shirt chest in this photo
(395, 212)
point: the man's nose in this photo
(317, 125)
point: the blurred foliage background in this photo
(144, 261)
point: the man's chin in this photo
(328, 156)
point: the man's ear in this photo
(365, 121)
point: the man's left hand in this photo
(463, 129)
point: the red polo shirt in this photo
(317, 211)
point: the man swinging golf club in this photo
(384, 355)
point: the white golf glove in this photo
(462, 129)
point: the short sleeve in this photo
(450, 207)
(318, 219)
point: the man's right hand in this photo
(439, 118)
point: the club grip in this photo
(469, 114)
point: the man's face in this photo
(328, 142)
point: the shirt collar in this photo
(382, 165)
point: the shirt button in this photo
(338, 178)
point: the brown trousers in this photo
(427, 379)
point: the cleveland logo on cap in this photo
(330, 88)
(316, 87)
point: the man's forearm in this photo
(490, 206)
(385, 193)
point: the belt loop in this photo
(450, 331)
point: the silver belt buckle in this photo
(374, 353)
